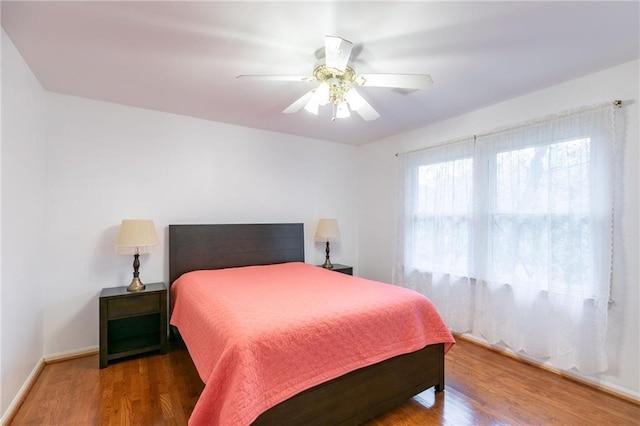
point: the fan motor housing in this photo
(323, 74)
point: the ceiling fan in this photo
(338, 81)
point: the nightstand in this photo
(341, 268)
(132, 323)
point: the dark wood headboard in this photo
(196, 247)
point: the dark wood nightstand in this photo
(341, 268)
(132, 323)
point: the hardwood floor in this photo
(482, 388)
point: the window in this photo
(510, 235)
(539, 229)
(441, 218)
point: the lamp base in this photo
(136, 285)
(327, 263)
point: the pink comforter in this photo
(261, 334)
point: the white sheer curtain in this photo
(510, 235)
(435, 229)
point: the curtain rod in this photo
(617, 103)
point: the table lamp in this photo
(136, 236)
(327, 231)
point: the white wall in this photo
(107, 162)
(22, 225)
(378, 184)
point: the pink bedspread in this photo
(261, 334)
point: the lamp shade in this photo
(136, 236)
(327, 230)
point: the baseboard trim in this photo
(67, 355)
(616, 391)
(11, 411)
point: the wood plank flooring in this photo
(482, 388)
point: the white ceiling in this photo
(182, 57)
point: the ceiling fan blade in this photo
(402, 81)
(358, 104)
(337, 52)
(298, 104)
(275, 77)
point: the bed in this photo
(349, 398)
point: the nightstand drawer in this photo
(136, 305)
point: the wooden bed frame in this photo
(347, 400)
